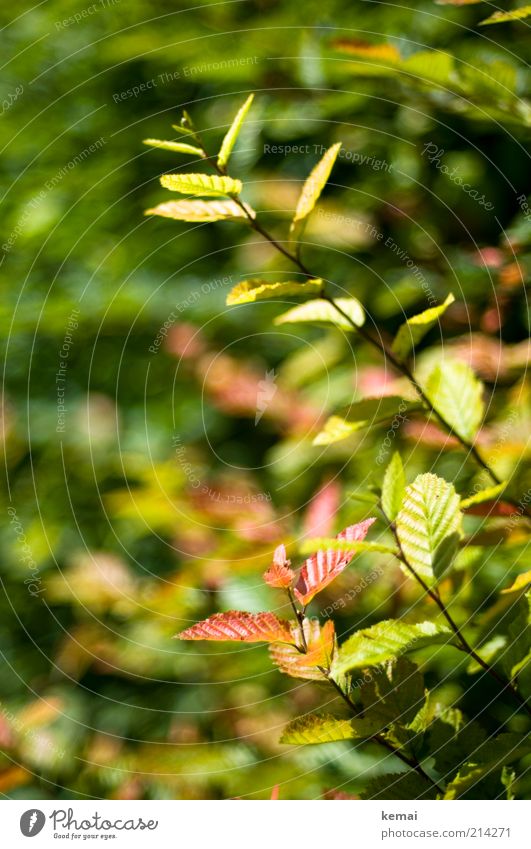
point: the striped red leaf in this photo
(235, 625)
(323, 567)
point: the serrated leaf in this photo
(415, 328)
(340, 545)
(365, 413)
(484, 495)
(324, 566)
(315, 728)
(279, 575)
(201, 185)
(393, 487)
(200, 210)
(429, 517)
(512, 15)
(321, 311)
(175, 147)
(233, 132)
(315, 184)
(455, 392)
(386, 641)
(236, 625)
(399, 785)
(257, 290)
(297, 662)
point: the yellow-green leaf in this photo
(175, 147)
(321, 311)
(315, 728)
(232, 134)
(456, 393)
(483, 495)
(512, 15)
(315, 184)
(204, 185)
(428, 525)
(328, 544)
(200, 210)
(393, 487)
(414, 329)
(366, 413)
(386, 641)
(258, 290)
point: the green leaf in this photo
(455, 392)
(201, 185)
(200, 210)
(483, 495)
(491, 757)
(414, 329)
(427, 525)
(327, 544)
(394, 487)
(512, 15)
(176, 147)
(391, 696)
(386, 641)
(233, 132)
(399, 785)
(315, 728)
(365, 413)
(315, 184)
(257, 290)
(321, 311)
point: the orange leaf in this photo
(323, 567)
(239, 626)
(279, 574)
(294, 661)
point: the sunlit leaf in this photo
(365, 413)
(257, 290)
(175, 147)
(484, 495)
(324, 566)
(511, 15)
(279, 575)
(415, 328)
(341, 545)
(429, 518)
(521, 583)
(315, 728)
(320, 311)
(455, 392)
(367, 50)
(239, 626)
(201, 185)
(200, 210)
(386, 641)
(393, 487)
(315, 183)
(233, 132)
(300, 661)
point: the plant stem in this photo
(411, 762)
(464, 645)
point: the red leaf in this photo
(321, 647)
(323, 567)
(279, 574)
(239, 626)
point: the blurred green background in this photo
(154, 498)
